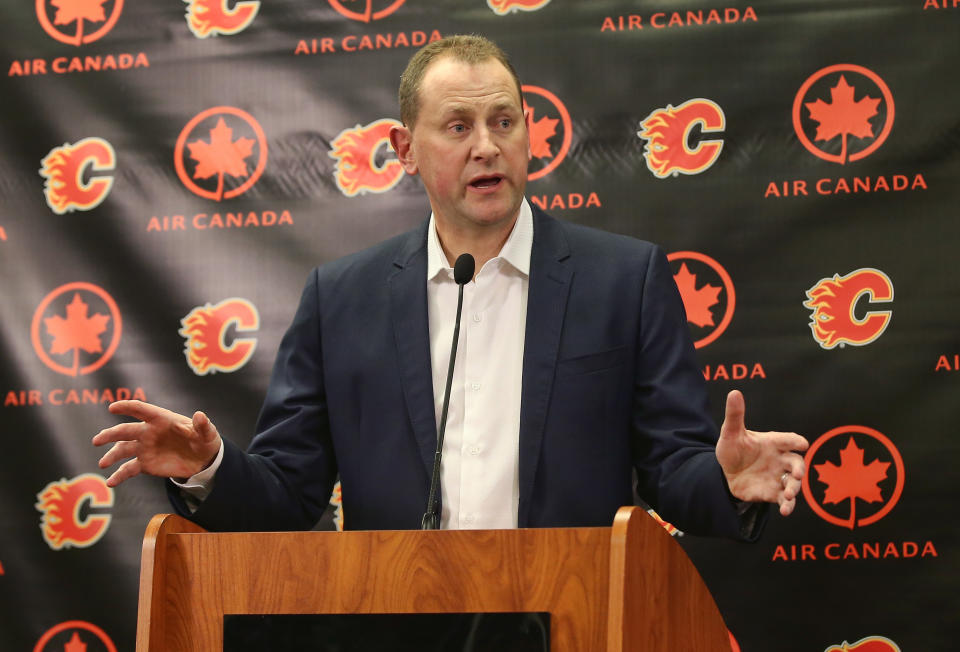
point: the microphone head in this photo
(463, 269)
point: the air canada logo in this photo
(843, 113)
(682, 139)
(869, 644)
(371, 9)
(75, 175)
(76, 329)
(854, 476)
(212, 17)
(61, 503)
(75, 636)
(362, 163)
(208, 329)
(220, 153)
(504, 7)
(78, 22)
(834, 304)
(551, 130)
(707, 292)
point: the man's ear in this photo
(527, 117)
(401, 140)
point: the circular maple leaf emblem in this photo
(220, 153)
(843, 113)
(550, 130)
(854, 476)
(76, 329)
(707, 292)
(75, 636)
(77, 22)
(372, 10)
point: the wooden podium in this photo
(626, 588)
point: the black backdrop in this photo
(165, 166)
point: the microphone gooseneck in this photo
(462, 273)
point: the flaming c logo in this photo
(66, 637)
(848, 466)
(60, 503)
(540, 104)
(357, 170)
(78, 330)
(668, 131)
(64, 168)
(369, 12)
(504, 7)
(854, 122)
(81, 12)
(216, 154)
(869, 644)
(212, 17)
(206, 329)
(700, 298)
(834, 300)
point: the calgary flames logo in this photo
(206, 329)
(64, 168)
(368, 13)
(504, 7)
(211, 17)
(355, 150)
(668, 131)
(60, 503)
(834, 300)
(869, 644)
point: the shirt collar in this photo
(516, 250)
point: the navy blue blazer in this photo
(610, 387)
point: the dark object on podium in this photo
(477, 632)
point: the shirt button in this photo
(474, 450)
(477, 317)
(475, 386)
(469, 518)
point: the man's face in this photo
(469, 143)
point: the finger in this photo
(786, 506)
(734, 413)
(204, 427)
(119, 432)
(127, 470)
(137, 410)
(792, 489)
(797, 467)
(787, 441)
(119, 451)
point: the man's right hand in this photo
(161, 443)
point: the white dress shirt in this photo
(479, 473)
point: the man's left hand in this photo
(760, 466)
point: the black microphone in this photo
(462, 274)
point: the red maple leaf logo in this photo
(75, 644)
(77, 331)
(852, 479)
(78, 10)
(696, 302)
(843, 116)
(222, 155)
(541, 131)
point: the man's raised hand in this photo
(161, 443)
(760, 466)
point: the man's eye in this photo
(458, 128)
(505, 123)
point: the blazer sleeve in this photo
(284, 480)
(674, 436)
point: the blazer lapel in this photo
(408, 309)
(546, 305)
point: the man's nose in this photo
(485, 145)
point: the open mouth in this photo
(485, 183)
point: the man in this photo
(575, 367)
